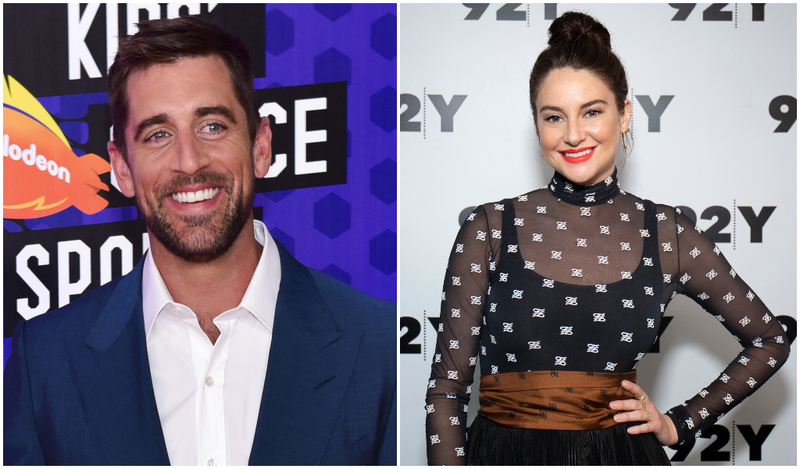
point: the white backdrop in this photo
(726, 139)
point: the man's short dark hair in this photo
(167, 41)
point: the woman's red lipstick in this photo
(577, 159)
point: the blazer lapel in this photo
(310, 363)
(112, 374)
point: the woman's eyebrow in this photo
(584, 106)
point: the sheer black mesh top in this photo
(577, 279)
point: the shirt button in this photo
(209, 382)
(211, 462)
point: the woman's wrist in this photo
(669, 435)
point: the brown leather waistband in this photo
(552, 400)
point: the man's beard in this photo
(207, 236)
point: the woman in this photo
(561, 291)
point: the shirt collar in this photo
(575, 194)
(259, 299)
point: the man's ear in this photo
(122, 170)
(262, 149)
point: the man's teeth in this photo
(197, 196)
(580, 153)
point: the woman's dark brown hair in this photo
(580, 42)
(166, 41)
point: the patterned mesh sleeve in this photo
(463, 296)
(706, 277)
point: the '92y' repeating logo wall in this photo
(713, 89)
(325, 76)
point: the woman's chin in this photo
(581, 178)
(585, 176)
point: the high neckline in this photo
(576, 194)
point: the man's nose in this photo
(190, 156)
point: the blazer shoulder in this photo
(341, 297)
(372, 319)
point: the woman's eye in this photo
(553, 118)
(593, 113)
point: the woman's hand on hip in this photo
(641, 409)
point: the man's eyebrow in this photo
(223, 111)
(150, 121)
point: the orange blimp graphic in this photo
(41, 173)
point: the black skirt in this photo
(491, 444)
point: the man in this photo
(219, 347)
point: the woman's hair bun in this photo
(580, 42)
(572, 27)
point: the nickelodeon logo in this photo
(30, 158)
(41, 173)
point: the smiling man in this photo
(219, 347)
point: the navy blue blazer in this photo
(77, 387)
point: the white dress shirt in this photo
(209, 395)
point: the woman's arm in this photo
(463, 296)
(706, 277)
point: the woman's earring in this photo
(627, 143)
(624, 146)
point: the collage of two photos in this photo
(399, 234)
